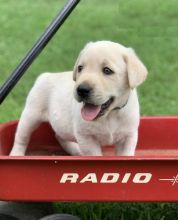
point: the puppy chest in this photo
(64, 133)
(109, 133)
(62, 127)
(105, 137)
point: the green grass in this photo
(149, 26)
(120, 211)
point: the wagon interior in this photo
(157, 137)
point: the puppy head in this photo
(104, 73)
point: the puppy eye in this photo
(107, 71)
(80, 68)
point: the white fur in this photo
(52, 99)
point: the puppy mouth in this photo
(91, 112)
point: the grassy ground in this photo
(120, 211)
(149, 26)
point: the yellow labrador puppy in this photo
(94, 105)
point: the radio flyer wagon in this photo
(151, 175)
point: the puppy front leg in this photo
(29, 121)
(89, 147)
(126, 147)
(70, 147)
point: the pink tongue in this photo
(89, 112)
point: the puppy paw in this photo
(17, 151)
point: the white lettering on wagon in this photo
(72, 177)
(110, 178)
(140, 178)
(91, 177)
(173, 180)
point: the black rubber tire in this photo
(7, 217)
(60, 217)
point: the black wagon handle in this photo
(36, 49)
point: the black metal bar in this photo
(36, 49)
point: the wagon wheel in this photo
(7, 217)
(59, 217)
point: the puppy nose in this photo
(84, 90)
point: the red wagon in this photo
(151, 175)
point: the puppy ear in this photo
(137, 72)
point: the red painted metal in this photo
(151, 175)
